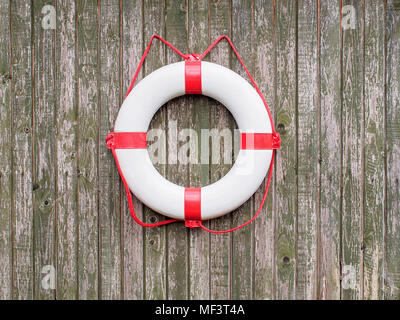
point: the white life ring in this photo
(247, 108)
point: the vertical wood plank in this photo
(392, 234)
(43, 149)
(286, 160)
(307, 150)
(330, 150)
(352, 115)
(199, 111)
(5, 153)
(88, 148)
(133, 250)
(178, 113)
(109, 191)
(22, 202)
(155, 254)
(264, 75)
(374, 149)
(220, 119)
(242, 239)
(66, 167)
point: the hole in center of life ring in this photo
(193, 141)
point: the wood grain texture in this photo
(264, 75)
(307, 150)
(43, 149)
(330, 226)
(22, 164)
(352, 157)
(374, 181)
(220, 119)
(330, 150)
(5, 153)
(132, 233)
(242, 239)
(88, 131)
(178, 115)
(199, 119)
(286, 160)
(109, 180)
(155, 244)
(66, 148)
(392, 225)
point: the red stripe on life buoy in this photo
(193, 75)
(260, 141)
(192, 207)
(127, 140)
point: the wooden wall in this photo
(331, 226)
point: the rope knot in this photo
(276, 140)
(110, 140)
(192, 57)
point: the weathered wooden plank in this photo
(199, 118)
(5, 153)
(307, 150)
(286, 160)
(87, 55)
(66, 166)
(22, 202)
(40, 150)
(178, 116)
(133, 250)
(374, 148)
(110, 189)
(264, 75)
(220, 119)
(392, 230)
(43, 149)
(242, 239)
(330, 150)
(352, 177)
(155, 250)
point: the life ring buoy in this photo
(258, 140)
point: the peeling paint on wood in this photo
(22, 164)
(392, 225)
(66, 163)
(264, 73)
(5, 154)
(352, 157)
(132, 233)
(330, 154)
(330, 227)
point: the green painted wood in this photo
(22, 153)
(43, 150)
(308, 168)
(199, 118)
(5, 153)
(374, 161)
(264, 75)
(155, 245)
(178, 115)
(87, 145)
(220, 119)
(109, 180)
(329, 229)
(352, 157)
(392, 230)
(132, 233)
(66, 148)
(242, 239)
(286, 160)
(330, 151)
